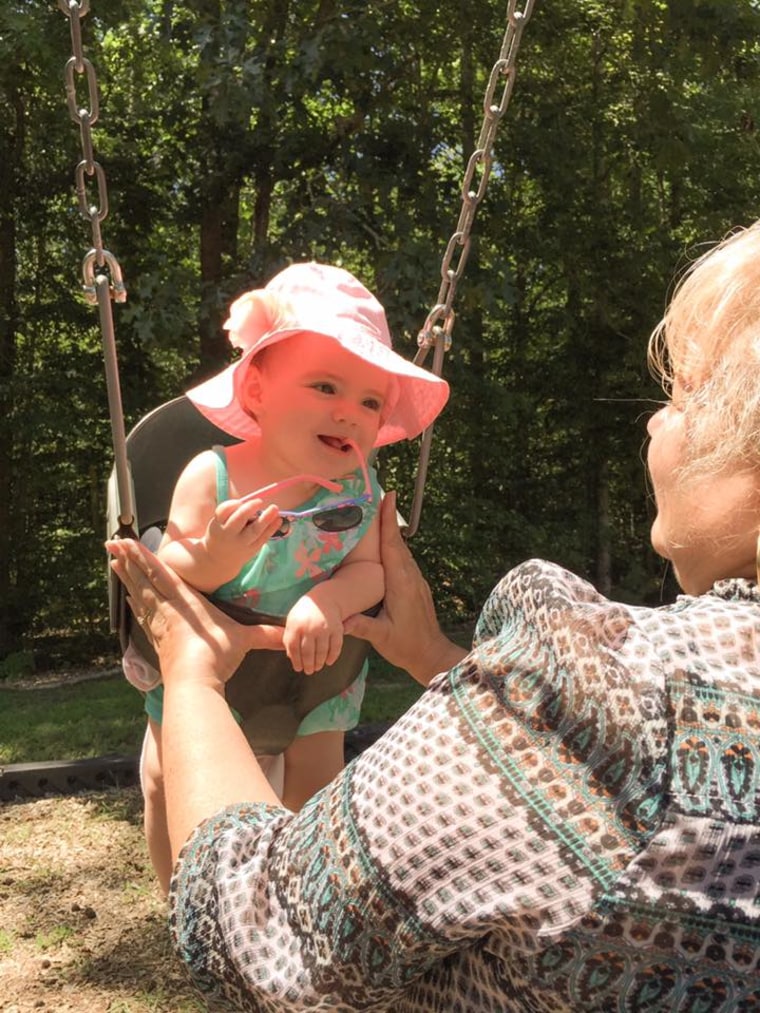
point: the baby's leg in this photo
(154, 817)
(311, 762)
(273, 768)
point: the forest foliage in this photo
(240, 135)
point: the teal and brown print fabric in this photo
(565, 821)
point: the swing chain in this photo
(97, 261)
(439, 324)
(436, 331)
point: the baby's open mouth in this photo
(337, 443)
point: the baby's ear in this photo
(252, 387)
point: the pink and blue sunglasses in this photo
(337, 517)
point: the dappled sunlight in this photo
(83, 921)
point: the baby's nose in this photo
(344, 410)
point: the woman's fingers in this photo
(193, 638)
(367, 628)
(398, 562)
(406, 630)
(143, 571)
(264, 638)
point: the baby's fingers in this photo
(234, 514)
(321, 650)
(248, 518)
(335, 647)
(311, 651)
(306, 651)
(293, 647)
(259, 526)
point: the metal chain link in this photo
(436, 331)
(101, 271)
(87, 116)
(480, 162)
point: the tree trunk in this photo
(11, 145)
(218, 244)
(603, 555)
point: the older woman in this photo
(568, 817)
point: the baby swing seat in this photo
(269, 697)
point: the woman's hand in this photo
(207, 761)
(193, 639)
(406, 631)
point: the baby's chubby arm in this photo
(313, 634)
(205, 543)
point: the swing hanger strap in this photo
(440, 320)
(95, 211)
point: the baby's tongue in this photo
(335, 442)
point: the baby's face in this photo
(313, 400)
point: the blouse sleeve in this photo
(505, 801)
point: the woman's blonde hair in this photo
(708, 343)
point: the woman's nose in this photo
(656, 420)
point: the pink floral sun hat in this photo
(326, 300)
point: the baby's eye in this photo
(324, 387)
(373, 403)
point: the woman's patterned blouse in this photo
(567, 820)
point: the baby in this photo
(286, 520)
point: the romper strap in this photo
(222, 478)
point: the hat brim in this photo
(422, 394)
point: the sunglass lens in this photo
(340, 519)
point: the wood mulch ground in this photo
(82, 922)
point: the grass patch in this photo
(390, 692)
(91, 718)
(156, 1002)
(101, 717)
(54, 937)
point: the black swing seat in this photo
(270, 698)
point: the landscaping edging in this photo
(24, 781)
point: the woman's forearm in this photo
(438, 655)
(208, 763)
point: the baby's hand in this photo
(238, 530)
(313, 635)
